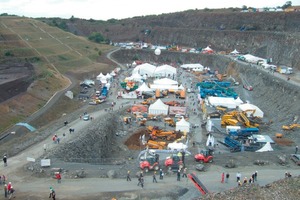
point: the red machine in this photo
(174, 162)
(150, 163)
(205, 156)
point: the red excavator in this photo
(205, 156)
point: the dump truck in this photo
(170, 121)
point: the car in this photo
(296, 158)
(86, 117)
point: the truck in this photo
(104, 91)
(285, 70)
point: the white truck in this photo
(285, 70)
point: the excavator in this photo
(148, 101)
(156, 144)
(170, 121)
(290, 127)
(243, 119)
(158, 133)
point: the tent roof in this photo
(234, 52)
(181, 87)
(207, 49)
(158, 105)
(190, 66)
(182, 122)
(165, 81)
(144, 88)
(165, 68)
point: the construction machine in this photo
(148, 101)
(149, 162)
(243, 119)
(174, 162)
(290, 127)
(156, 144)
(205, 156)
(142, 122)
(156, 133)
(170, 121)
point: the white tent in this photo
(144, 88)
(194, 67)
(227, 102)
(113, 73)
(165, 81)
(266, 147)
(145, 68)
(234, 52)
(165, 71)
(207, 50)
(100, 76)
(251, 109)
(183, 125)
(135, 77)
(164, 87)
(158, 108)
(253, 59)
(181, 87)
(210, 140)
(177, 146)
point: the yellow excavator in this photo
(290, 127)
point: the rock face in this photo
(266, 34)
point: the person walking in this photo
(227, 177)
(128, 176)
(222, 177)
(154, 178)
(142, 182)
(161, 174)
(238, 176)
(5, 160)
(8, 187)
(12, 192)
(178, 175)
(255, 176)
(184, 173)
(52, 193)
(296, 149)
(5, 191)
(58, 177)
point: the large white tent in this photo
(194, 67)
(165, 81)
(183, 125)
(251, 109)
(227, 102)
(253, 59)
(165, 71)
(100, 76)
(134, 77)
(145, 68)
(158, 108)
(144, 88)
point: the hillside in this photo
(271, 34)
(34, 59)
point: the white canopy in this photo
(266, 147)
(253, 59)
(165, 71)
(144, 88)
(165, 81)
(99, 77)
(177, 146)
(234, 52)
(181, 87)
(145, 68)
(183, 125)
(251, 109)
(113, 73)
(227, 102)
(164, 87)
(210, 140)
(207, 49)
(195, 67)
(135, 77)
(158, 108)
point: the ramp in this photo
(199, 185)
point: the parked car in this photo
(86, 117)
(296, 158)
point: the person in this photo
(250, 180)
(142, 182)
(45, 147)
(255, 176)
(52, 193)
(139, 181)
(128, 176)
(183, 156)
(296, 149)
(238, 176)
(245, 180)
(3, 179)
(178, 175)
(184, 173)
(239, 183)
(5, 191)
(227, 177)
(154, 177)
(57, 139)
(5, 160)
(58, 177)
(222, 177)
(161, 174)
(8, 187)
(12, 191)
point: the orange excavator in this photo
(156, 133)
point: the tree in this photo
(96, 37)
(287, 4)
(244, 7)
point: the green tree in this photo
(96, 37)
(287, 4)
